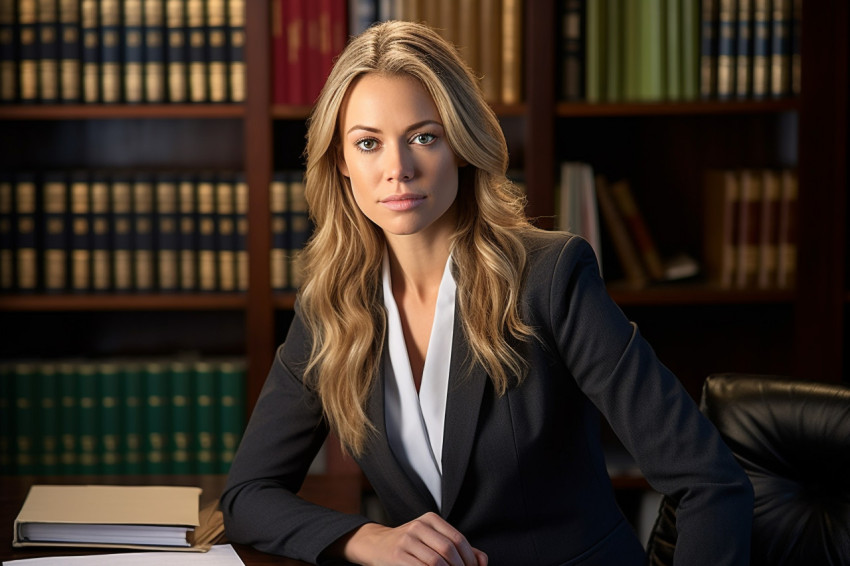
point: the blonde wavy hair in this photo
(341, 296)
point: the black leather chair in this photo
(793, 440)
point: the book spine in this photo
(88, 442)
(8, 53)
(55, 237)
(631, 50)
(768, 234)
(28, 63)
(279, 208)
(205, 427)
(198, 56)
(278, 54)
(744, 54)
(167, 233)
(324, 42)
(90, 50)
(241, 227)
(110, 51)
(144, 244)
(133, 61)
(624, 246)
(156, 421)
(614, 50)
(652, 36)
(69, 417)
(7, 418)
(101, 232)
(70, 56)
(122, 234)
(299, 225)
(132, 427)
(722, 197)
(225, 233)
(154, 48)
(207, 280)
(726, 44)
(217, 55)
(796, 38)
(231, 383)
(236, 49)
(26, 245)
(748, 229)
(109, 385)
(780, 53)
(628, 207)
(294, 15)
(180, 443)
(491, 49)
(673, 50)
(7, 234)
(48, 55)
(312, 71)
(26, 422)
(761, 48)
(786, 269)
(48, 397)
(511, 52)
(469, 21)
(81, 233)
(177, 51)
(188, 234)
(591, 34)
(709, 48)
(691, 49)
(363, 13)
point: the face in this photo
(404, 175)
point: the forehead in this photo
(386, 101)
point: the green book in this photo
(26, 421)
(614, 50)
(156, 421)
(48, 415)
(205, 394)
(88, 442)
(652, 61)
(690, 49)
(632, 50)
(131, 418)
(673, 50)
(68, 417)
(7, 417)
(180, 408)
(231, 385)
(109, 378)
(595, 47)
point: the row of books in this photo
(656, 50)
(122, 51)
(751, 228)
(154, 416)
(143, 232)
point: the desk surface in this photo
(338, 492)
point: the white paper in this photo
(219, 555)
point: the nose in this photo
(398, 164)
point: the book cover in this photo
(217, 51)
(205, 417)
(634, 219)
(624, 245)
(225, 233)
(206, 227)
(198, 56)
(70, 55)
(786, 268)
(231, 384)
(55, 232)
(29, 51)
(721, 203)
(133, 60)
(236, 49)
(26, 245)
(153, 24)
(7, 234)
(121, 197)
(68, 417)
(180, 443)
(9, 43)
(110, 51)
(591, 34)
(726, 49)
(780, 49)
(90, 50)
(109, 388)
(279, 210)
(768, 230)
(132, 431)
(88, 413)
(144, 238)
(48, 52)
(101, 233)
(241, 226)
(188, 233)
(80, 233)
(155, 417)
(512, 40)
(491, 49)
(744, 54)
(746, 269)
(176, 52)
(761, 48)
(167, 233)
(709, 48)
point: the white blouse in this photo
(415, 422)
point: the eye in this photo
(423, 139)
(366, 144)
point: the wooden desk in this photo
(340, 492)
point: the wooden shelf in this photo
(284, 301)
(300, 112)
(124, 111)
(664, 108)
(695, 294)
(124, 302)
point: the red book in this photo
(295, 32)
(278, 53)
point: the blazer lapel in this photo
(466, 391)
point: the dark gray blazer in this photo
(524, 477)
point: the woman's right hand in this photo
(428, 540)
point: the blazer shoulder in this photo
(549, 248)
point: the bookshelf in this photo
(695, 328)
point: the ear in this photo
(341, 164)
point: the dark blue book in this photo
(144, 249)
(727, 43)
(188, 232)
(197, 32)
(101, 233)
(225, 232)
(132, 47)
(81, 234)
(70, 56)
(236, 49)
(8, 53)
(29, 50)
(780, 51)
(90, 50)
(121, 201)
(177, 51)
(207, 252)
(241, 221)
(154, 46)
(279, 208)
(7, 233)
(709, 25)
(56, 232)
(48, 52)
(26, 240)
(110, 51)
(167, 233)
(217, 51)
(744, 50)
(572, 39)
(796, 36)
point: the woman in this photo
(462, 356)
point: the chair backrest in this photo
(793, 439)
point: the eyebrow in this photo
(415, 126)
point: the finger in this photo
(481, 557)
(458, 546)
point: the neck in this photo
(416, 266)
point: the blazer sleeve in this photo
(679, 451)
(284, 433)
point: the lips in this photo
(400, 203)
